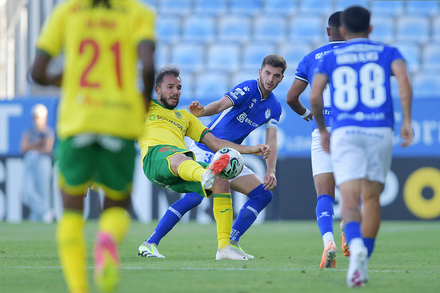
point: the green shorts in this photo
(158, 170)
(106, 161)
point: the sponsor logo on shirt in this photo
(178, 114)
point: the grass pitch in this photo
(287, 256)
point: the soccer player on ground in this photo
(359, 74)
(168, 163)
(321, 162)
(99, 118)
(242, 110)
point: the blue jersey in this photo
(248, 111)
(359, 74)
(307, 68)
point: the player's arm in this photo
(146, 55)
(215, 144)
(39, 70)
(270, 181)
(292, 99)
(319, 82)
(211, 109)
(398, 68)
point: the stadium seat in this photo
(344, 4)
(254, 53)
(199, 28)
(284, 7)
(188, 56)
(426, 84)
(223, 57)
(316, 7)
(431, 57)
(161, 54)
(412, 29)
(383, 29)
(293, 53)
(168, 29)
(234, 28)
(151, 2)
(187, 86)
(307, 28)
(387, 8)
(241, 76)
(180, 7)
(411, 53)
(212, 7)
(429, 8)
(269, 27)
(436, 29)
(211, 85)
(245, 7)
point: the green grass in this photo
(287, 256)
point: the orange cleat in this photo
(328, 259)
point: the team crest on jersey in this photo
(152, 117)
(267, 114)
(178, 114)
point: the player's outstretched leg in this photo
(213, 169)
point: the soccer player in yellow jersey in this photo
(100, 116)
(168, 163)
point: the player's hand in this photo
(270, 181)
(407, 134)
(325, 140)
(309, 118)
(196, 109)
(261, 150)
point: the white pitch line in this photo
(224, 269)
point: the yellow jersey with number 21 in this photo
(99, 92)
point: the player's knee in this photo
(265, 197)
(193, 199)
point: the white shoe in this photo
(366, 276)
(48, 217)
(228, 253)
(357, 273)
(241, 252)
(149, 250)
(213, 169)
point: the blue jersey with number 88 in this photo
(359, 74)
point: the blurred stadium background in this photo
(217, 44)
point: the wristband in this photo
(306, 113)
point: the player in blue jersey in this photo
(240, 111)
(359, 74)
(321, 162)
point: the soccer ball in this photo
(235, 166)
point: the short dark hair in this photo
(275, 61)
(169, 69)
(356, 19)
(96, 3)
(334, 21)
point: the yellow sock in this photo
(72, 250)
(191, 171)
(116, 221)
(223, 216)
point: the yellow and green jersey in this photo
(169, 127)
(99, 92)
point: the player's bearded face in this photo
(270, 77)
(169, 92)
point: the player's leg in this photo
(76, 169)
(322, 169)
(115, 167)
(171, 217)
(248, 183)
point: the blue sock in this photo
(352, 230)
(258, 200)
(369, 244)
(324, 213)
(173, 215)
